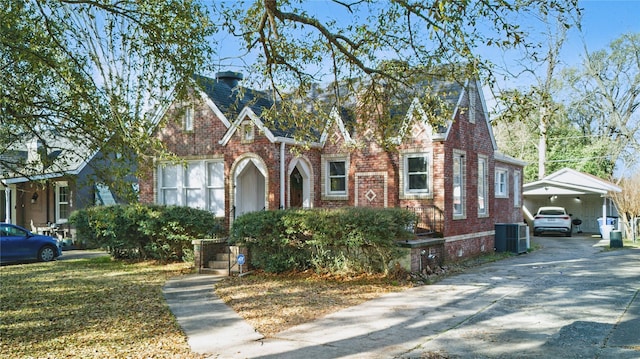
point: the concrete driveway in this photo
(570, 299)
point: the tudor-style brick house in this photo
(232, 164)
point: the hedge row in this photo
(343, 240)
(145, 231)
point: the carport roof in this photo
(570, 182)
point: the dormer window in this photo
(188, 119)
(247, 131)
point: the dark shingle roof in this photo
(232, 99)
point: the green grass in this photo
(90, 308)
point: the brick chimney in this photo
(230, 78)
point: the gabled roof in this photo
(230, 99)
(568, 181)
(63, 157)
(452, 93)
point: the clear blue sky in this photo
(603, 21)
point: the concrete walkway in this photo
(570, 299)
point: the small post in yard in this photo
(240, 262)
(197, 254)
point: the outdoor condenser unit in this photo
(511, 237)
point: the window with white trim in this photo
(472, 104)
(516, 189)
(188, 119)
(335, 171)
(337, 177)
(196, 184)
(415, 175)
(483, 186)
(63, 201)
(459, 179)
(248, 132)
(502, 183)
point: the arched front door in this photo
(249, 183)
(300, 184)
(295, 188)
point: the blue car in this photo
(17, 244)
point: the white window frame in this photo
(203, 185)
(483, 186)
(59, 185)
(247, 131)
(326, 177)
(517, 195)
(405, 191)
(501, 182)
(187, 122)
(459, 184)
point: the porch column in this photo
(604, 210)
(7, 204)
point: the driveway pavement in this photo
(570, 299)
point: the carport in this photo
(584, 196)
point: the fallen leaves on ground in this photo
(272, 303)
(93, 308)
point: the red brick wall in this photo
(369, 163)
(474, 139)
(505, 210)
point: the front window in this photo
(483, 184)
(415, 175)
(188, 119)
(516, 189)
(63, 202)
(335, 171)
(337, 177)
(197, 184)
(418, 174)
(502, 189)
(248, 132)
(458, 185)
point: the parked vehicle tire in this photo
(536, 233)
(46, 254)
(568, 234)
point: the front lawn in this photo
(89, 308)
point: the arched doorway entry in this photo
(249, 183)
(300, 184)
(295, 189)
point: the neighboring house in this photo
(55, 180)
(584, 196)
(232, 163)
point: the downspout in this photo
(282, 172)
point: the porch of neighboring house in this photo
(42, 208)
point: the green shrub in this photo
(337, 241)
(145, 231)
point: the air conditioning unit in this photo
(511, 237)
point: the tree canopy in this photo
(92, 70)
(89, 71)
(375, 45)
(592, 121)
